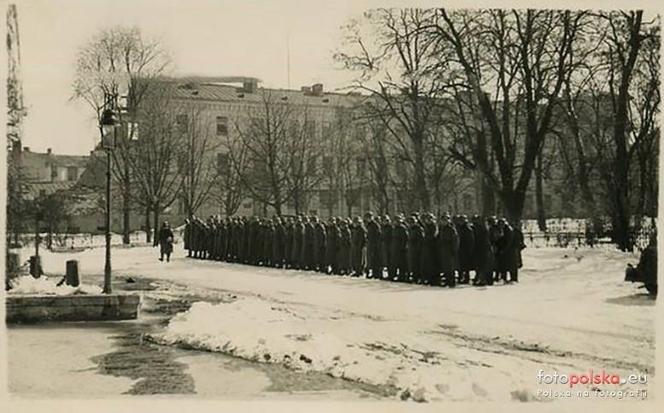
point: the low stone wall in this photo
(40, 308)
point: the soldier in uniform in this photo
(307, 258)
(505, 249)
(331, 249)
(279, 243)
(495, 233)
(399, 249)
(320, 242)
(518, 245)
(466, 249)
(386, 239)
(343, 245)
(483, 253)
(289, 229)
(374, 231)
(358, 242)
(298, 243)
(187, 236)
(415, 241)
(429, 264)
(448, 244)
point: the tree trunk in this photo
(424, 203)
(539, 194)
(512, 202)
(148, 229)
(155, 212)
(488, 198)
(126, 206)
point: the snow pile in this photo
(45, 285)
(385, 353)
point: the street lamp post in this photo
(108, 123)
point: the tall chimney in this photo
(49, 151)
(250, 85)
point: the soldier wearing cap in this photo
(466, 249)
(415, 241)
(448, 245)
(428, 259)
(374, 232)
(344, 244)
(483, 252)
(399, 250)
(279, 243)
(320, 241)
(289, 230)
(386, 242)
(358, 244)
(505, 248)
(332, 246)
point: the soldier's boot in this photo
(514, 276)
(451, 282)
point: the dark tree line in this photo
(518, 96)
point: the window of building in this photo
(467, 202)
(360, 166)
(326, 128)
(182, 121)
(223, 166)
(72, 173)
(54, 172)
(328, 163)
(310, 127)
(222, 126)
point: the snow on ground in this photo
(571, 312)
(26, 285)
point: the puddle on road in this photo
(158, 369)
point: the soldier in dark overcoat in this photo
(399, 249)
(466, 249)
(429, 262)
(187, 236)
(320, 242)
(415, 240)
(505, 249)
(386, 240)
(448, 247)
(483, 252)
(358, 243)
(332, 246)
(344, 245)
(374, 232)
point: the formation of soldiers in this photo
(419, 249)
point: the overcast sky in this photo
(212, 38)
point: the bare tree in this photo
(304, 151)
(115, 63)
(229, 191)
(197, 161)
(155, 155)
(631, 56)
(276, 144)
(396, 70)
(522, 55)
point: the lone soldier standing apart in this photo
(165, 241)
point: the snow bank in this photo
(48, 286)
(385, 353)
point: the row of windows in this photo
(222, 125)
